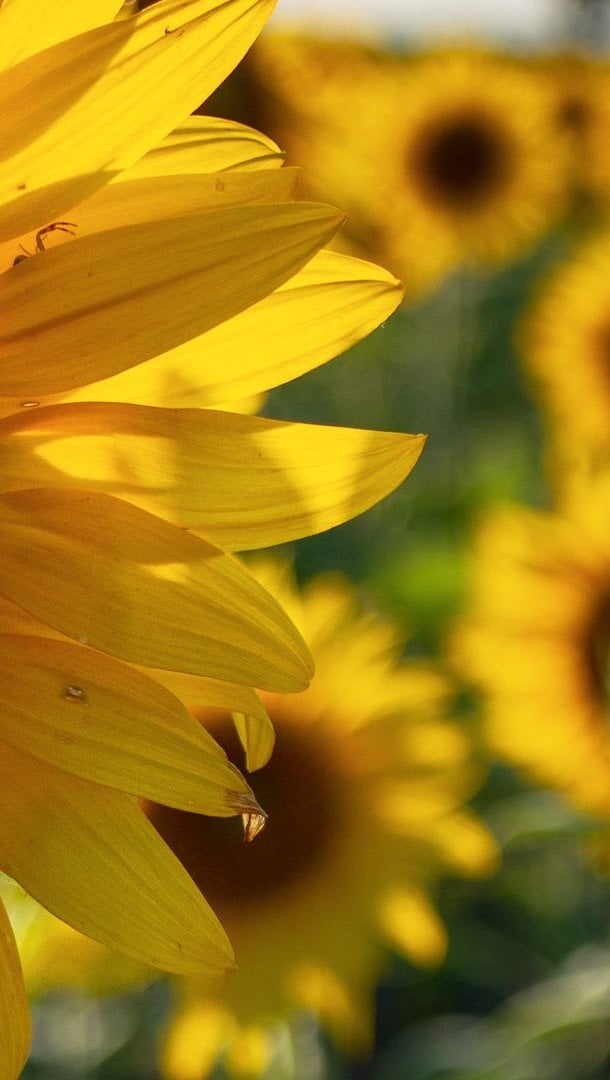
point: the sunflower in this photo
(137, 256)
(450, 157)
(579, 82)
(592, 130)
(365, 792)
(535, 640)
(564, 342)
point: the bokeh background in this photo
(506, 262)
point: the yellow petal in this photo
(198, 1032)
(126, 85)
(101, 720)
(29, 26)
(252, 722)
(251, 718)
(155, 198)
(104, 302)
(135, 201)
(410, 921)
(205, 144)
(15, 1027)
(264, 482)
(200, 693)
(322, 310)
(257, 738)
(120, 580)
(89, 855)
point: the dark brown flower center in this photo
(297, 789)
(460, 161)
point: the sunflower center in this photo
(297, 789)
(460, 161)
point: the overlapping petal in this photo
(90, 856)
(48, 22)
(319, 312)
(205, 144)
(251, 719)
(266, 482)
(118, 579)
(171, 56)
(110, 300)
(85, 712)
(195, 691)
(129, 202)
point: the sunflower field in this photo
(305, 603)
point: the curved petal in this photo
(89, 855)
(331, 303)
(257, 739)
(251, 719)
(15, 1025)
(102, 303)
(265, 482)
(129, 202)
(126, 85)
(196, 692)
(205, 144)
(120, 580)
(47, 23)
(87, 713)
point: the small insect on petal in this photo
(55, 226)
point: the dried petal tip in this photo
(253, 825)
(252, 815)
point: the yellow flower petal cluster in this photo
(535, 641)
(365, 791)
(150, 265)
(448, 157)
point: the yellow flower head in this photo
(447, 157)
(536, 642)
(365, 791)
(578, 82)
(149, 266)
(565, 344)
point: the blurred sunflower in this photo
(578, 82)
(455, 156)
(591, 120)
(535, 641)
(564, 342)
(365, 792)
(127, 242)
